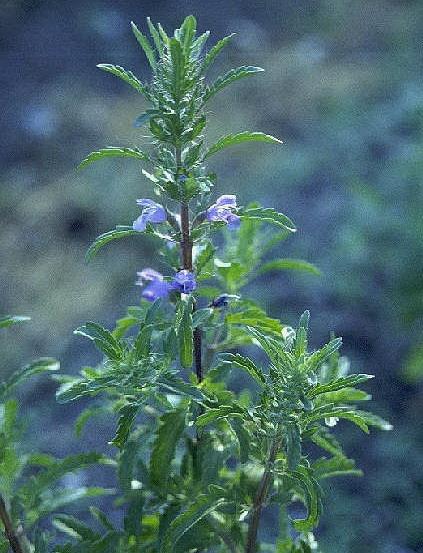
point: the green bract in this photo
(196, 460)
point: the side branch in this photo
(9, 530)
(260, 498)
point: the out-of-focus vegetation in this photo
(344, 92)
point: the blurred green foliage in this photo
(344, 92)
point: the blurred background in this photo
(343, 87)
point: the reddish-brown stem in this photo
(9, 529)
(186, 260)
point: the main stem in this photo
(186, 260)
(260, 498)
(9, 530)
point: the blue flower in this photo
(223, 300)
(223, 210)
(152, 213)
(184, 282)
(156, 287)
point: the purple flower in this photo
(184, 282)
(224, 210)
(152, 212)
(156, 287)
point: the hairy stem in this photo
(9, 530)
(260, 498)
(186, 260)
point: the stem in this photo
(260, 498)
(186, 259)
(9, 530)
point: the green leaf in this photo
(198, 45)
(269, 215)
(9, 320)
(158, 43)
(316, 359)
(201, 507)
(50, 501)
(113, 151)
(214, 51)
(102, 338)
(336, 466)
(239, 138)
(56, 470)
(204, 257)
(327, 441)
(74, 528)
(127, 416)
(362, 419)
(145, 45)
(243, 437)
(187, 33)
(246, 365)
(222, 412)
(178, 68)
(185, 335)
(126, 76)
(144, 118)
(274, 349)
(45, 364)
(107, 237)
(230, 77)
(312, 499)
(201, 316)
(338, 384)
(287, 264)
(293, 445)
(172, 425)
(346, 395)
(101, 517)
(86, 415)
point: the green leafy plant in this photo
(198, 460)
(31, 486)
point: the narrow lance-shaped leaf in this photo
(188, 30)
(239, 138)
(246, 365)
(317, 358)
(338, 384)
(45, 364)
(103, 339)
(200, 508)
(171, 427)
(9, 320)
(75, 528)
(214, 51)
(158, 43)
(185, 335)
(312, 498)
(293, 445)
(230, 77)
(107, 237)
(178, 66)
(145, 45)
(287, 264)
(198, 45)
(269, 215)
(336, 466)
(127, 416)
(126, 76)
(113, 151)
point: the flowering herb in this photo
(156, 287)
(151, 213)
(197, 462)
(225, 210)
